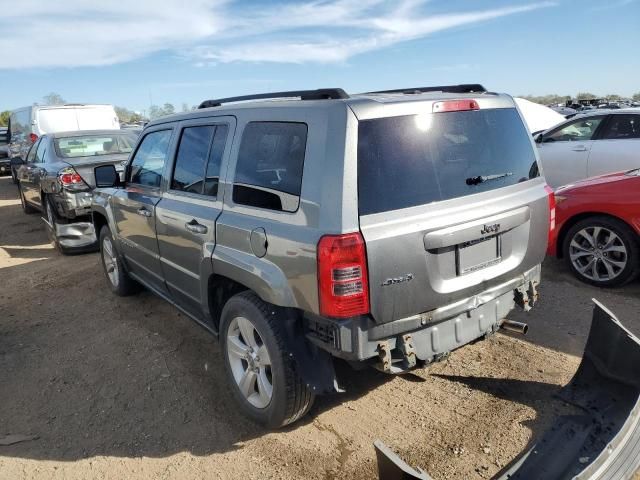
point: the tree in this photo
(185, 107)
(636, 97)
(169, 109)
(585, 96)
(124, 114)
(53, 99)
(156, 111)
(613, 98)
(4, 118)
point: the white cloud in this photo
(87, 33)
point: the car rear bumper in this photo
(601, 443)
(72, 204)
(428, 335)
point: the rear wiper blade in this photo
(485, 178)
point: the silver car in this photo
(386, 229)
(590, 144)
(57, 179)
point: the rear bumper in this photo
(427, 335)
(76, 235)
(72, 204)
(602, 443)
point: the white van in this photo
(27, 124)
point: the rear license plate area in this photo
(478, 254)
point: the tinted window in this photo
(191, 158)
(577, 131)
(41, 151)
(147, 165)
(215, 160)
(269, 169)
(32, 152)
(418, 159)
(621, 127)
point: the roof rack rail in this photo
(319, 94)
(463, 88)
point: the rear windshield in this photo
(417, 159)
(95, 145)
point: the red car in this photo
(598, 228)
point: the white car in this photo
(590, 144)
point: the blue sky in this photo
(189, 50)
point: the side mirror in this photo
(107, 176)
(539, 138)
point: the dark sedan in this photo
(57, 179)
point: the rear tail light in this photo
(71, 179)
(33, 137)
(343, 285)
(552, 213)
(455, 106)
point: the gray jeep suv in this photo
(385, 228)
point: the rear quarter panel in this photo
(618, 197)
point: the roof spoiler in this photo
(603, 442)
(319, 94)
(462, 88)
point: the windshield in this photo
(94, 145)
(417, 159)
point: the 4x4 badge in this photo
(495, 228)
(392, 281)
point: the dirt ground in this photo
(130, 388)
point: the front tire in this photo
(602, 251)
(261, 371)
(117, 277)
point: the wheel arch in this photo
(577, 218)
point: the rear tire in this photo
(26, 208)
(602, 251)
(117, 277)
(287, 397)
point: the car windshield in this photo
(94, 145)
(417, 159)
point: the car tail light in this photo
(33, 137)
(343, 284)
(70, 179)
(552, 213)
(455, 106)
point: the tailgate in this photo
(450, 206)
(443, 254)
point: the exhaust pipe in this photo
(517, 327)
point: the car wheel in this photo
(26, 208)
(119, 280)
(602, 251)
(262, 374)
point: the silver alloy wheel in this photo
(109, 259)
(250, 362)
(598, 253)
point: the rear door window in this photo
(41, 151)
(269, 167)
(622, 127)
(149, 159)
(197, 167)
(191, 159)
(413, 160)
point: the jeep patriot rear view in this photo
(385, 228)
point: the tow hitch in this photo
(602, 443)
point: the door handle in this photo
(195, 227)
(579, 148)
(144, 212)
